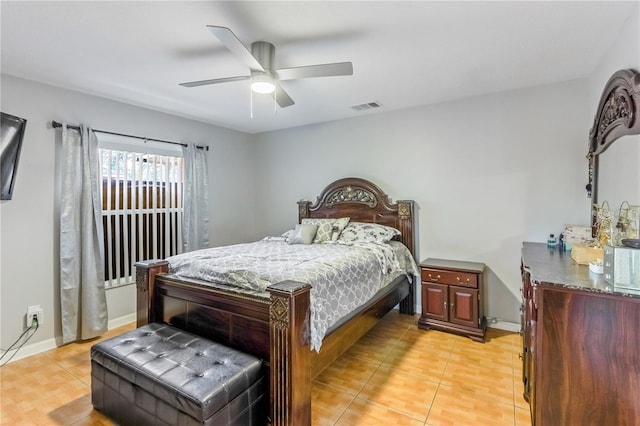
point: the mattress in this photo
(343, 276)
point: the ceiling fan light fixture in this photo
(262, 83)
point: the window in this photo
(142, 207)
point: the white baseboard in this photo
(47, 345)
(505, 325)
(33, 349)
(123, 320)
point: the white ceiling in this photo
(404, 54)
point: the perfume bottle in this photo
(551, 241)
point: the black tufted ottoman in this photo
(159, 375)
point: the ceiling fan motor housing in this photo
(265, 54)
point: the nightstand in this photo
(452, 297)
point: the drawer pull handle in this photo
(434, 279)
(463, 282)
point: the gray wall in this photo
(29, 222)
(487, 173)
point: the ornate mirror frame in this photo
(616, 116)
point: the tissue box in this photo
(583, 255)
(577, 234)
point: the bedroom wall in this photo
(619, 172)
(28, 241)
(486, 173)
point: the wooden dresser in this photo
(581, 343)
(452, 297)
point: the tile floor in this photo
(395, 375)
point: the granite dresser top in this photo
(551, 266)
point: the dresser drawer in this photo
(462, 279)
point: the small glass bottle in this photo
(551, 241)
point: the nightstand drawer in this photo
(450, 277)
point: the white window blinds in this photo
(142, 208)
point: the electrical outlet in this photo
(34, 312)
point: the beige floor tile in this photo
(62, 375)
(328, 404)
(418, 360)
(496, 336)
(454, 406)
(348, 374)
(365, 413)
(392, 330)
(482, 354)
(78, 365)
(95, 418)
(518, 391)
(371, 348)
(523, 417)
(431, 339)
(494, 382)
(73, 411)
(403, 392)
(496, 344)
(389, 378)
(22, 380)
(396, 316)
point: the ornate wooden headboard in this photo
(362, 201)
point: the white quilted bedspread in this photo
(342, 276)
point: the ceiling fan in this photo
(261, 60)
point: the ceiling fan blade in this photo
(321, 70)
(231, 42)
(282, 98)
(214, 81)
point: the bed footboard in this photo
(277, 331)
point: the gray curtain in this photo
(195, 222)
(82, 293)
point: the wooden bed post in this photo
(146, 272)
(405, 222)
(290, 354)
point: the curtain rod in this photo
(56, 125)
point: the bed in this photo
(276, 327)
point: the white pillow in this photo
(303, 234)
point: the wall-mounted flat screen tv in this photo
(11, 134)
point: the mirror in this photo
(616, 174)
(619, 172)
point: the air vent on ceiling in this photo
(366, 106)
